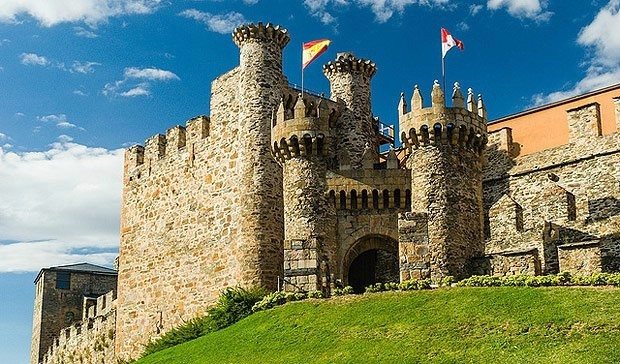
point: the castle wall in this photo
(57, 308)
(553, 201)
(180, 225)
(202, 206)
(90, 340)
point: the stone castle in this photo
(298, 191)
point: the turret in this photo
(349, 79)
(445, 144)
(300, 144)
(261, 82)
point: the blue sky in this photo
(82, 79)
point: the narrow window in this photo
(375, 199)
(354, 199)
(364, 199)
(343, 200)
(396, 198)
(63, 280)
(407, 200)
(386, 199)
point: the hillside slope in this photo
(455, 325)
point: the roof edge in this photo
(556, 103)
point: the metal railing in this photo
(297, 87)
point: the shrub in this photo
(233, 305)
(188, 331)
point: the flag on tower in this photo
(312, 50)
(447, 42)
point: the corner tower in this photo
(445, 144)
(349, 79)
(302, 145)
(261, 83)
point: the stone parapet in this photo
(261, 32)
(346, 62)
(170, 144)
(439, 124)
(89, 341)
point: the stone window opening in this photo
(353, 199)
(332, 197)
(386, 199)
(375, 199)
(364, 199)
(63, 280)
(343, 200)
(397, 197)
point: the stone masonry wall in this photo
(89, 341)
(349, 79)
(202, 206)
(57, 308)
(557, 197)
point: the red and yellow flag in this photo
(312, 50)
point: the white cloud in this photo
(79, 93)
(59, 206)
(250, 2)
(129, 85)
(603, 35)
(60, 120)
(140, 90)
(602, 38)
(83, 67)
(151, 74)
(463, 26)
(475, 8)
(523, 9)
(83, 32)
(4, 137)
(52, 12)
(382, 9)
(33, 59)
(219, 23)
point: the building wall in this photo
(202, 205)
(549, 200)
(56, 308)
(528, 126)
(90, 340)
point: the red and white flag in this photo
(312, 50)
(447, 42)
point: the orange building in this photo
(545, 126)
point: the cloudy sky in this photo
(82, 79)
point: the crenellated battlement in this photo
(464, 124)
(304, 128)
(94, 334)
(346, 62)
(160, 146)
(262, 32)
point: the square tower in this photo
(60, 294)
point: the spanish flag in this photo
(312, 50)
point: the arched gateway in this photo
(372, 259)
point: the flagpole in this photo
(443, 71)
(302, 69)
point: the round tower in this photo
(445, 144)
(261, 82)
(349, 79)
(301, 145)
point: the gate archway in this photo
(372, 259)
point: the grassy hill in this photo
(451, 325)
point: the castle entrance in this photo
(372, 259)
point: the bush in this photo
(552, 280)
(279, 298)
(342, 291)
(190, 330)
(232, 305)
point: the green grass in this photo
(451, 325)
